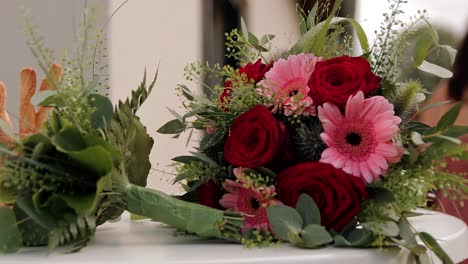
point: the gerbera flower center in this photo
(295, 87)
(255, 204)
(356, 139)
(353, 139)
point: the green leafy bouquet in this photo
(87, 162)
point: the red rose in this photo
(253, 71)
(336, 79)
(255, 138)
(208, 194)
(336, 193)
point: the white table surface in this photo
(151, 242)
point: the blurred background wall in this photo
(172, 33)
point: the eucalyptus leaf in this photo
(204, 158)
(175, 114)
(211, 140)
(245, 32)
(308, 210)
(10, 236)
(186, 159)
(186, 92)
(265, 39)
(356, 238)
(417, 127)
(424, 42)
(432, 244)
(456, 131)
(451, 139)
(284, 220)
(449, 118)
(434, 105)
(172, 127)
(253, 39)
(435, 70)
(387, 228)
(314, 236)
(312, 17)
(406, 233)
(451, 51)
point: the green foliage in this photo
(331, 33)
(77, 229)
(258, 238)
(285, 222)
(245, 47)
(405, 98)
(387, 48)
(351, 236)
(300, 226)
(10, 236)
(432, 244)
(308, 210)
(56, 181)
(84, 70)
(199, 171)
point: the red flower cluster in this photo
(253, 71)
(337, 194)
(336, 79)
(255, 138)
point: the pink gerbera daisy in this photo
(252, 202)
(287, 84)
(360, 142)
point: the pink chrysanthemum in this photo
(250, 201)
(360, 142)
(287, 84)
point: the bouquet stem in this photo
(193, 218)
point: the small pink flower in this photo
(287, 84)
(359, 142)
(210, 128)
(250, 201)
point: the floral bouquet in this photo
(316, 146)
(78, 161)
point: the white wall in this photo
(452, 13)
(142, 34)
(145, 34)
(58, 27)
(277, 17)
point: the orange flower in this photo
(30, 120)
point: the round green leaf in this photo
(315, 236)
(284, 220)
(308, 210)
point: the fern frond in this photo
(139, 95)
(79, 228)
